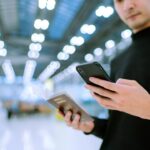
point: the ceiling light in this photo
(42, 4)
(84, 28)
(51, 4)
(89, 57)
(41, 24)
(49, 70)
(69, 49)
(88, 29)
(37, 23)
(38, 37)
(55, 64)
(99, 12)
(35, 47)
(41, 38)
(98, 52)
(34, 37)
(9, 71)
(126, 34)
(109, 44)
(29, 70)
(108, 12)
(3, 52)
(44, 24)
(62, 56)
(38, 46)
(78, 41)
(33, 54)
(104, 11)
(91, 29)
(2, 44)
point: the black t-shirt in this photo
(123, 131)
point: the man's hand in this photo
(124, 95)
(76, 124)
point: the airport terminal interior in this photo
(41, 43)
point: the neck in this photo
(141, 28)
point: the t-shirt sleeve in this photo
(99, 128)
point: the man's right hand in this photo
(76, 124)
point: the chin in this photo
(138, 25)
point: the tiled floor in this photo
(43, 133)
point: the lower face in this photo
(138, 17)
(138, 22)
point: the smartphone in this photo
(65, 103)
(93, 69)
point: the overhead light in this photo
(41, 24)
(35, 37)
(41, 38)
(99, 12)
(88, 29)
(104, 11)
(109, 44)
(44, 24)
(49, 70)
(126, 34)
(91, 29)
(108, 12)
(51, 4)
(69, 49)
(77, 40)
(66, 72)
(55, 64)
(98, 52)
(62, 56)
(35, 47)
(37, 23)
(2, 44)
(3, 52)
(42, 4)
(29, 71)
(33, 54)
(9, 71)
(89, 57)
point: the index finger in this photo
(105, 84)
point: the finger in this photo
(105, 84)
(105, 102)
(61, 113)
(102, 91)
(76, 121)
(68, 118)
(127, 82)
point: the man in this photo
(123, 131)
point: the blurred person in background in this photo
(122, 131)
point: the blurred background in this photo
(41, 43)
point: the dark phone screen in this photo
(92, 70)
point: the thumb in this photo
(126, 82)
